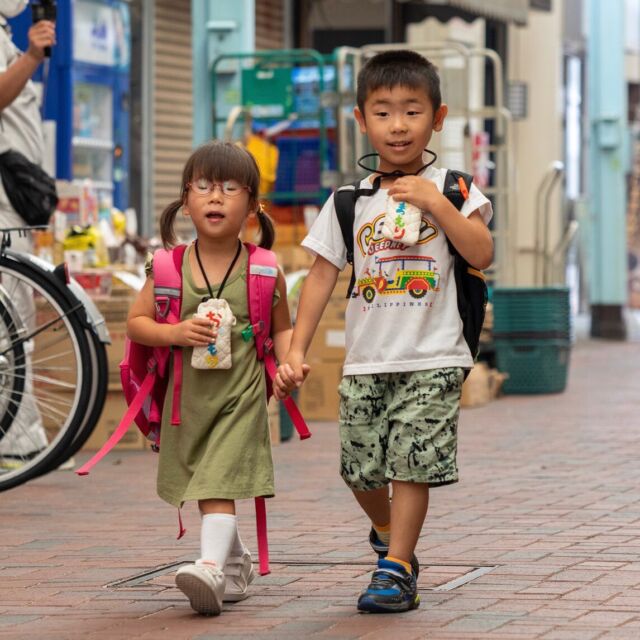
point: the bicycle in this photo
(52, 359)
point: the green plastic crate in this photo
(534, 366)
(286, 424)
(532, 311)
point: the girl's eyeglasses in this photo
(229, 188)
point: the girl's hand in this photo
(418, 191)
(42, 34)
(195, 332)
(291, 374)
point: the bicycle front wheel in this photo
(45, 378)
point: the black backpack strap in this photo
(454, 193)
(344, 201)
(470, 285)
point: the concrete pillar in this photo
(606, 186)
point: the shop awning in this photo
(505, 10)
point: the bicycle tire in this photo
(10, 324)
(100, 385)
(63, 416)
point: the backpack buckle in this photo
(268, 345)
(163, 304)
(252, 330)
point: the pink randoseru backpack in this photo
(144, 370)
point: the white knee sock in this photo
(217, 537)
(237, 548)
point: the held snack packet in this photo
(402, 222)
(216, 355)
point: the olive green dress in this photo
(222, 448)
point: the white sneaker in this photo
(203, 583)
(239, 574)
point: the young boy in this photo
(403, 372)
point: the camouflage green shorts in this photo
(400, 426)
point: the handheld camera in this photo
(44, 10)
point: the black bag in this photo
(31, 191)
(470, 283)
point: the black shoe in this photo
(392, 590)
(382, 550)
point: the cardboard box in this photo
(481, 386)
(319, 399)
(328, 343)
(293, 258)
(115, 350)
(476, 390)
(114, 409)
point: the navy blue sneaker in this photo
(392, 590)
(382, 550)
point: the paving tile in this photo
(536, 499)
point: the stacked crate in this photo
(532, 334)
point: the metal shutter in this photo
(269, 24)
(173, 103)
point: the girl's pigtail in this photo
(167, 219)
(267, 231)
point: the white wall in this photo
(535, 57)
(632, 40)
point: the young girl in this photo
(221, 452)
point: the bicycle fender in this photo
(72, 291)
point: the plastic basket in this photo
(537, 312)
(534, 366)
(299, 169)
(286, 424)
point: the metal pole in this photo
(607, 136)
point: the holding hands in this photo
(291, 374)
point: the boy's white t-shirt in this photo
(394, 324)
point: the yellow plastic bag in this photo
(266, 156)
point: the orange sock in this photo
(383, 531)
(406, 565)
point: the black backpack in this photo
(470, 283)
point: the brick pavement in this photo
(547, 515)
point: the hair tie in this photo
(261, 209)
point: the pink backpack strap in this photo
(261, 530)
(262, 276)
(261, 286)
(288, 402)
(125, 423)
(167, 280)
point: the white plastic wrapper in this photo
(217, 355)
(402, 222)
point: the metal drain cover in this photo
(292, 576)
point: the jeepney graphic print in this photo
(399, 274)
(398, 269)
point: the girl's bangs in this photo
(218, 162)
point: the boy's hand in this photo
(418, 191)
(41, 35)
(195, 332)
(291, 374)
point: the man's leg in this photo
(26, 434)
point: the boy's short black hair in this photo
(400, 67)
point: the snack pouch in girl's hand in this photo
(402, 222)
(216, 355)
